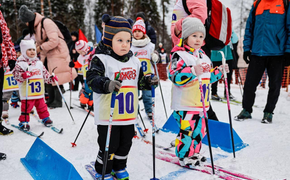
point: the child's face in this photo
(121, 43)
(195, 40)
(162, 50)
(82, 52)
(138, 34)
(31, 53)
(18, 54)
(73, 38)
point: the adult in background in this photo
(74, 56)
(53, 51)
(198, 9)
(150, 31)
(266, 45)
(7, 52)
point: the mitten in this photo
(71, 64)
(26, 75)
(114, 86)
(226, 66)
(246, 56)
(54, 78)
(11, 64)
(197, 70)
(154, 57)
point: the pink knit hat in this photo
(139, 25)
(81, 45)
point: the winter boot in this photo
(231, 97)
(149, 114)
(5, 114)
(57, 101)
(267, 119)
(83, 105)
(243, 115)
(47, 122)
(216, 97)
(2, 156)
(24, 126)
(14, 104)
(106, 177)
(189, 161)
(5, 131)
(121, 174)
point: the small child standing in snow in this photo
(186, 97)
(29, 68)
(143, 49)
(86, 96)
(113, 57)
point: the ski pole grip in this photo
(198, 62)
(224, 63)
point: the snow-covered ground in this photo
(266, 157)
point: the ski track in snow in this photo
(266, 157)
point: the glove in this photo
(154, 57)
(11, 64)
(26, 75)
(71, 64)
(286, 59)
(226, 66)
(14, 104)
(54, 78)
(114, 86)
(246, 56)
(197, 70)
(151, 80)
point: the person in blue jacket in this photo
(266, 45)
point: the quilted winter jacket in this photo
(270, 36)
(54, 49)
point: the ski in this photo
(79, 107)
(170, 157)
(238, 103)
(93, 172)
(28, 132)
(59, 131)
(140, 130)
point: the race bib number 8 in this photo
(9, 84)
(146, 66)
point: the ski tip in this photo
(61, 130)
(73, 144)
(146, 130)
(41, 135)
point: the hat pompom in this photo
(130, 21)
(106, 18)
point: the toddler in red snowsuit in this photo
(31, 75)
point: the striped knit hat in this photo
(81, 45)
(113, 25)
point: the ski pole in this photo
(145, 129)
(26, 94)
(205, 117)
(153, 129)
(62, 96)
(74, 143)
(161, 90)
(105, 159)
(228, 101)
(70, 92)
(240, 82)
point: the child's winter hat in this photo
(81, 45)
(25, 15)
(139, 25)
(113, 25)
(25, 45)
(191, 25)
